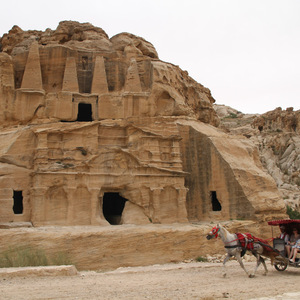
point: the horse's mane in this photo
(224, 230)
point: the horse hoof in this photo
(265, 274)
(224, 275)
(251, 276)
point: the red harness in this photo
(246, 240)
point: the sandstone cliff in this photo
(276, 134)
(98, 131)
(46, 62)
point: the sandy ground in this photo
(170, 281)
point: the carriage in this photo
(282, 261)
(236, 244)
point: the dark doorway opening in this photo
(113, 205)
(216, 205)
(18, 202)
(84, 112)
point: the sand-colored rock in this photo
(278, 120)
(111, 247)
(112, 135)
(276, 135)
(231, 167)
(38, 271)
(32, 78)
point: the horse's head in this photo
(214, 233)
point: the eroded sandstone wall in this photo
(228, 168)
(106, 248)
(16, 159)
(54, 71)
(276, 135)
(98, 131)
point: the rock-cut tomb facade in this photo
(98, 131)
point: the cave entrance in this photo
(84, 112)
(113, 205)
(18, 202)
(216, 205)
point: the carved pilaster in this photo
(70, 215)
(156, 204)
(38, 206)
(97, 217)
(182, 212)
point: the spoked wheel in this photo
(280, 266)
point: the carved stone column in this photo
(70, 215)
(38, 205)
(97, 217)
(182, 212)
(156, 204)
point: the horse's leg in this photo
(224, 262)
(259, 260)
(258, 250)
(264, 264)
(239, 259)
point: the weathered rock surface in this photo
(38, 271)
(111, 247)
(276, 134)
(110, 134)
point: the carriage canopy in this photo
(283, 222)
(288, 223)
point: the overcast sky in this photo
(247, 52)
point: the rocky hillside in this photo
(277, 136)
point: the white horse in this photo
(233, 248)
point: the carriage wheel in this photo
(280, 266)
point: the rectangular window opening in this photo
(216, 205)
(18, 202)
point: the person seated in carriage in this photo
(283, 234)
(292, 242)
(294, 252)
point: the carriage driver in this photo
(283, 235)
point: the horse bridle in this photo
(215, 232)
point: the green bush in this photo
(201, 259)
(26, 256)
(231, 116)
(60, 258)
(293, 214)
(22, 257)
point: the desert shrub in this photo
(22, 257)
(231, 116)
(60, 258)
(201, 259)
(293, 214)
(26, 256)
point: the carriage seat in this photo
(279, 245)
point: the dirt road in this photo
(171, 281)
